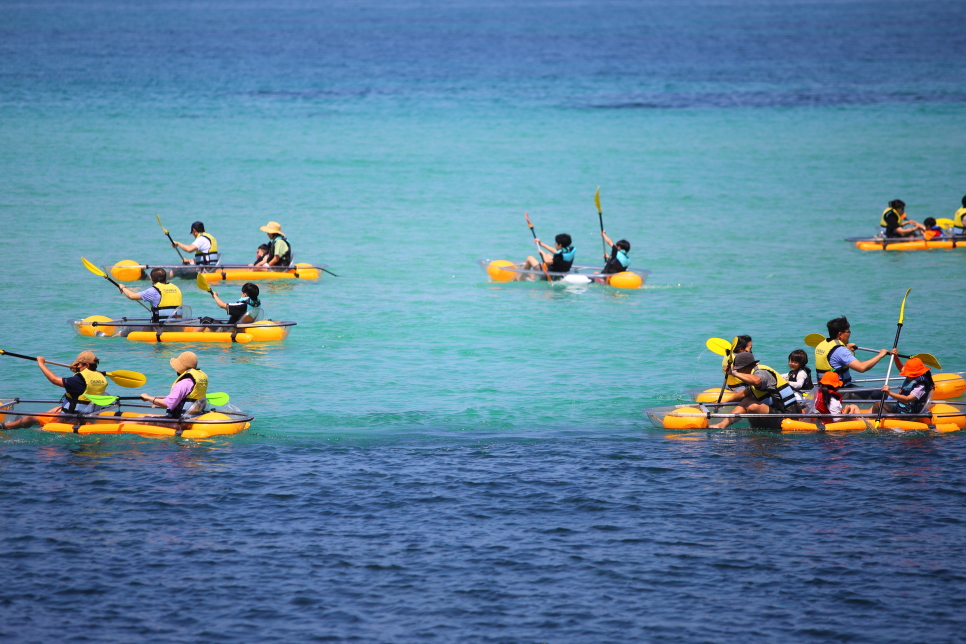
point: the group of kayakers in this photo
(277, 252)
(759, 389)
(186, 398)
(560, 257)
(895, 223)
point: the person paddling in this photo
(743, 345)
(765, 391)
(245, 309)
(835, 353)
(205, 246)
(828, 400)
(187, 395)
(87, 381)
(165, 299)
(617, 261)
(895, 222)
(914, 392)
(279, 249)
(959, 219)
(558, 260)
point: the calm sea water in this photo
(437, 457)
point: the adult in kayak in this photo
(744, 345)
(617, 261)
(765, 391)
(205, 246)
(241, 310)
(895, 222)
(86, 381)
(165, 299)
(558, 260)
(914, 392)
(187, 395)
(835, 353)
(279, 249)
(959, 219)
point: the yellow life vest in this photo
(761, 394)
(822, 364)
(96, 385)
(732, 382)
(200, 378)
(212, 256)
(882, 222)
(170, 299)
(958, 218)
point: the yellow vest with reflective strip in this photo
(200, 379)
(958, 218)
(214, 244)
(170, 296)
(822, 352)
(96, 384)
(761, 394)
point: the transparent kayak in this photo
(131, 271)
(505, 271)
(183, 329)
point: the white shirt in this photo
(202, 243)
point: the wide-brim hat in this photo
(272, 227)
(86, 357)
(185, 361)
(831, 378)
(913, 368)
(742, 360)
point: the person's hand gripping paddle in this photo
(543, 264)
(94, 269)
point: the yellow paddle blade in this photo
(597, 199)
(93, 268)
(162, 225)
(719, 346)
(902, 309)
(202, 283)
(945, 223)
(929, 360)
(814, 339)
(129, 379)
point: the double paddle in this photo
(722, 347)
(543, 264)
(169, 239)
(94, 269)
(815, 339)
(600, 216)
(129, 379)
(217, 399)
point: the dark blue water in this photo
(435, 457)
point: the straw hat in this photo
(272, 227)
(913, 368)
(831, 378)
(86, 357)
(185, 361)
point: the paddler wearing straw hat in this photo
(188, 389)
(914, 392)
(205, 246)
(87, 381)
(279, 249)
(765, 392)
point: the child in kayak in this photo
(242, 310)
(617, 261)
(914, 392)
(932, 231)
(828, 400)
(558, 260)
(799, 376)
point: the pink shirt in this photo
(180, 389)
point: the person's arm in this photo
(747, 378)
(904, 398)
(540, 243)
(218, 301)
(179, 390)
(862, 367)
(54, 380)
(607, 239)
(129, 294)
(185, 247)
(798, 381)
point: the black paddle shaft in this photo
(178, 250)
(883, 399)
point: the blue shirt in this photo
(841, 358)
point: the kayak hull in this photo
(130, 271)
(947, 387)
(915, 244)
(186, 331)
(502, 270)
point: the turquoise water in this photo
(436, 456)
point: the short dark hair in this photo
(563, 239)
(200, 227)
(264, 247)
(964, 201)
(743, 342)
(798, 356)
(836, 326)
(930, 222)
(159, 275)
(251, 290)
(624, 245)
(897, 204)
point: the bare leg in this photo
(26, 421)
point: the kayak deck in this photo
(183, 329)
(114, 420)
